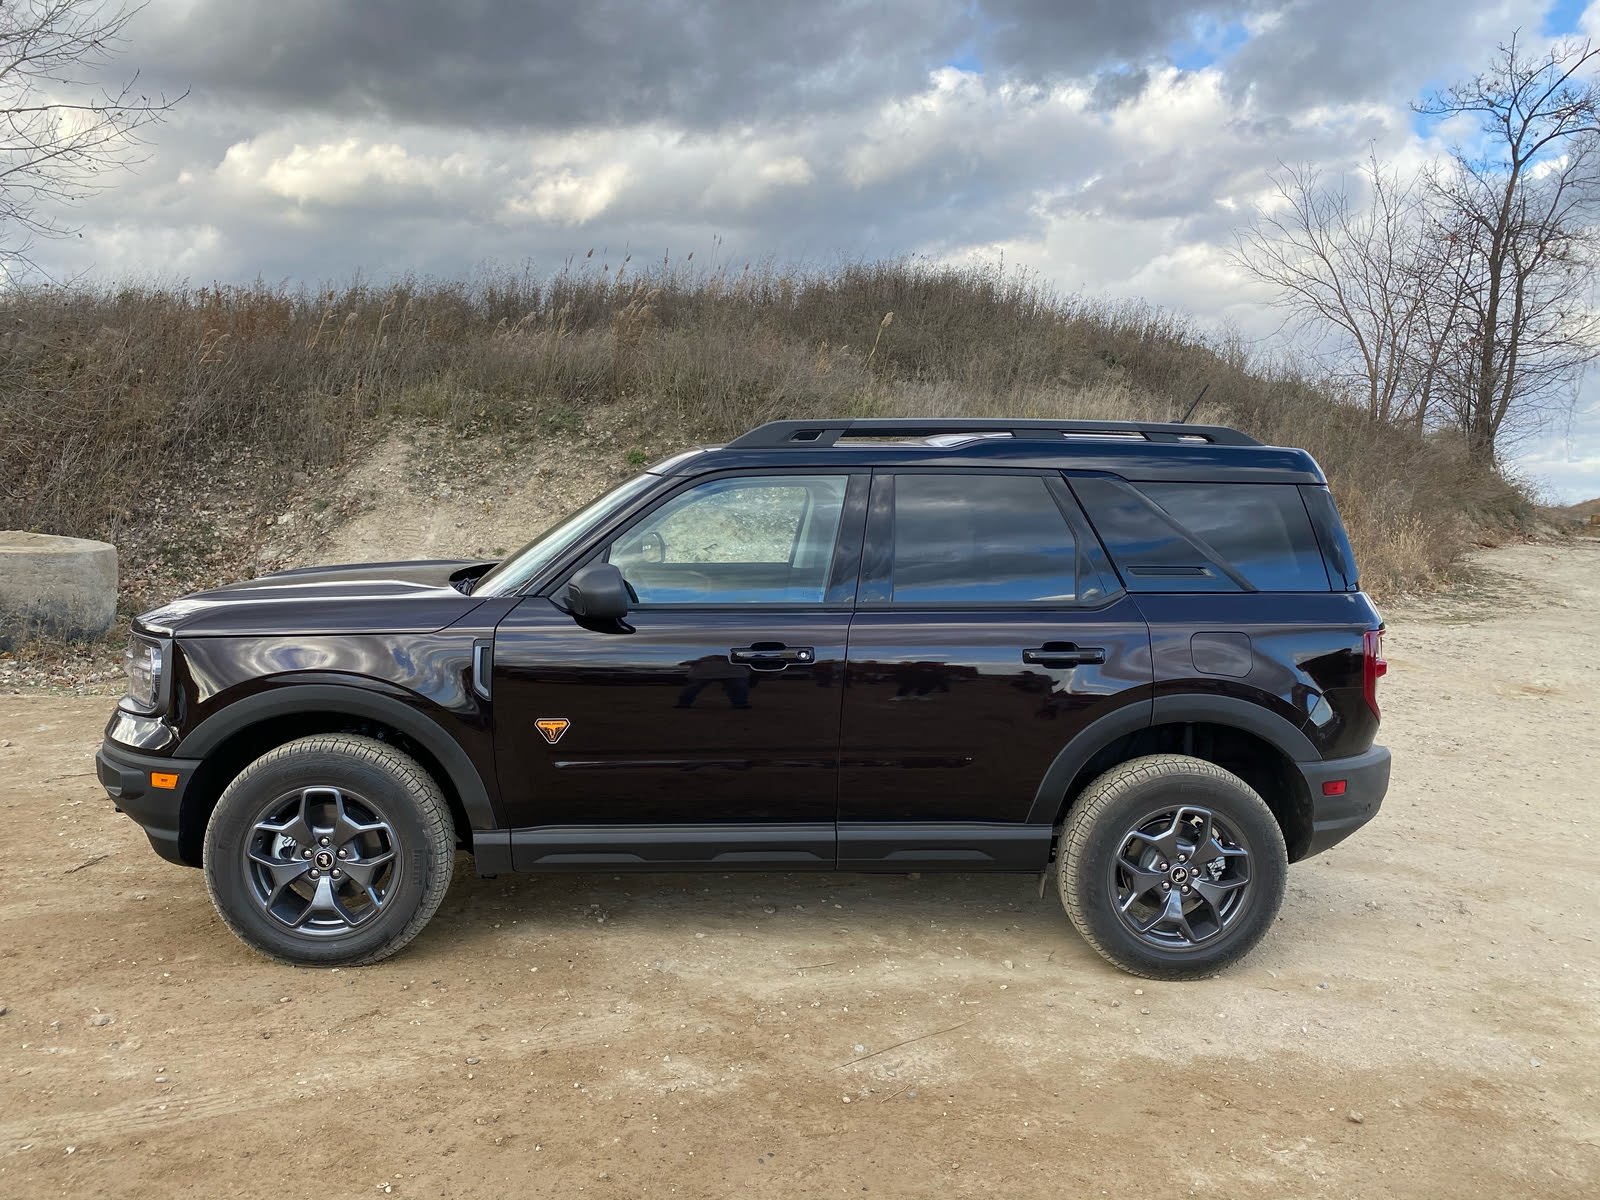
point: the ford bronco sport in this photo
(1134, 657)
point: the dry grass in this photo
(111, 396)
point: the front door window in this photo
(736, 541)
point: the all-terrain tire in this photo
(1108, 849)
(374, 785)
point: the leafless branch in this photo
(1349, 270)
(61, 135)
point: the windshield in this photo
(513, 572)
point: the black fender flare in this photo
(1091, 739)
(348, 700)
(1163, 710)
(1240, 714)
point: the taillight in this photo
(1373, 666)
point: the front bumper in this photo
(136, 781)
(1334, 818)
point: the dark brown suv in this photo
(1135, 657)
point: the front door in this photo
(990, 631)
(704, 729)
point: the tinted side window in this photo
(1260, 529)
(978, 538)
(1206, 537)
(1336, 553)
(1151, 554)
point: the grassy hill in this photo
(126, 407)
(1581, 512)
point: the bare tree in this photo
(1519, 212)
(1349, 271)
(1440, 272)
(60, 133)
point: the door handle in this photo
(771, 656)
(1064, 654)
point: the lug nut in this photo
(1186, 889)
(316, 874)
(1181, 857)
(344, 854)
(324, 841)
(305, 854)
(336, 872)
(1161, 866)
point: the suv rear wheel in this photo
(329, 850)
(1171, 867)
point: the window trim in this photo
(839, 591)
(875, 592)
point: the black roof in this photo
(1135, 450)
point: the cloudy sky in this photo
(1109, 144)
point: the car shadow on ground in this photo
(861, 914)
(671, 907)
(784, 916)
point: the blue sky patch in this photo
(968, 59)
(1208, 42)
(1562, 17)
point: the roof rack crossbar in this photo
(799, 435)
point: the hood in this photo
(395, 597)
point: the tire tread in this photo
(438, 830)
(1073, 835)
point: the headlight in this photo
(142, 661)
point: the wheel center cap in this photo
(324, 860)
(1180, 874)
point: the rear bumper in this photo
(126, 776)
(1334, 818)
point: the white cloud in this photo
(567, 198)
(1567, 460)
(962, 122)
(368, 170)
(133, 249)
(1176, 108)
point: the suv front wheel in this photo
(1171, 867)
(330, 850)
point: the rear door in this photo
(989, 632)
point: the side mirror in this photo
(598, 593)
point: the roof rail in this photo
(799, 435)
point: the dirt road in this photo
(1424, 1020)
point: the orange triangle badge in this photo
(552, 728)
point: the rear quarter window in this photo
(1335, 542)
(1206, 537)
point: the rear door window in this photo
(964, 538)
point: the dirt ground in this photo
(1424, 1020)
